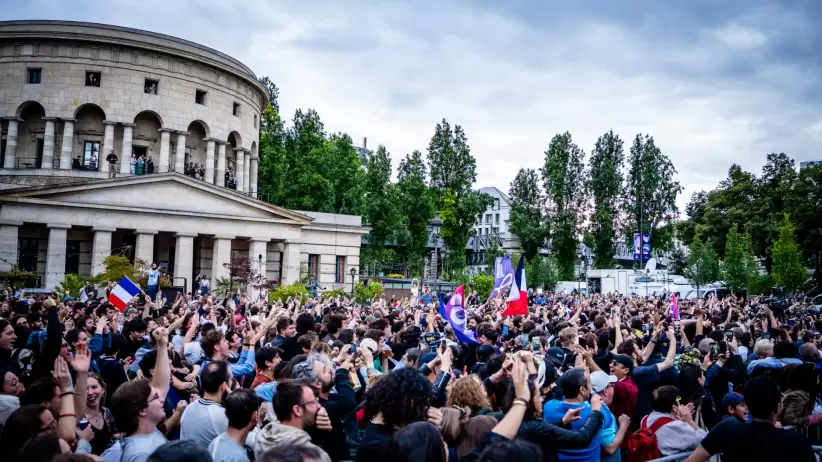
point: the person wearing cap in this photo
(613, 430)
(625, 390)
(735, 408)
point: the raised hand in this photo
(435, 417)
(596, 403)
(82, 358)
(519, 375)
(160, 335)
(61, 375)
(322, 421)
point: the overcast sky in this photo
(713, 82)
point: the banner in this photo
(454, 313)
(644, 244)
(674, 307)
(503, 275)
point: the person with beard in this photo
(298, 410)
(205, 419)
(7, 341)
(337, 405)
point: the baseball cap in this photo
(626, 361)
(601, 380)
(732, 399)
(555, 355)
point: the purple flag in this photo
(503, 275)
(454, 313)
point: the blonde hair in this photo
(568, 335)
(453, 417)
(471, 434)
(466, 392)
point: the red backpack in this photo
(641, 445)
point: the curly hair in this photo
(467, 392)
(402, 397)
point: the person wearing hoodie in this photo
(297, 410)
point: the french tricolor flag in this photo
(518, 296)
(123, 292)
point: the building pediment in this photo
(171, 193)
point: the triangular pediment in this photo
(166, 192)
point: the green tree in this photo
(116, 267)
(273, 164)
(380, 199)
(416, 207)
(483, 284)
(739, 265)
(452, 171)
(542, 272)
(308, 185)
(774, 192)
(17, 278)
(650, 192)
(348, 177)
(605, 188)
(491, 253)
(527, 220)
(563, 177)
(788, 269)
(806, 211)
(701, 265)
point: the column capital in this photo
(103, 229)
(9, 222)
(166, 130)
(218, 142)
(179, 132)
(128, 125)
(109, 122)
(74, 121)
(225, 236)
(50, 119)
(58, 226)
(243, 150)
(186, 234)
(10, 118)
(259, 239)
(213, 140)
(146, 231)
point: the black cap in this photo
(626, 361)
(556, 356)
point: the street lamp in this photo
(353, 272)
(647, 276)
(434, 228)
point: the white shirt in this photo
(677, 436)
(202, 421)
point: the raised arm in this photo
(162, 372)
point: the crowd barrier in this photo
(684, 455)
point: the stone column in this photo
(9, 244)
(247, 168)
(219, 256)
(257, 248)
(67, 146)
(252, 181)
(219, 178)
(11, 143)
(239, 168)
(165, 149)
(125, 154)
(56, 255)
(291, 263)
(184, 259)
(144, 245)
(180, 154)
(209, 167)
(108, 145)
(100, 249)
(48, 146)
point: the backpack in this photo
(642, 445)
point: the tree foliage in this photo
(347, 176)
(788, 269)
(309, 185)
(415, 206)
(701, 265)
(380, 199)
(650, 193)
(527, 219)
(483, 284)
(365, 293)
(17, 278)
(542, 272)
(605, 188)
(564, 183)
(452, 172)
(739, 266)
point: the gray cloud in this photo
(713, 83)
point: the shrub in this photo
(284, 292)
(364, 294)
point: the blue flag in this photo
(454, 313)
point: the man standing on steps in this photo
(112, 164)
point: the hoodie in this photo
(275, 435)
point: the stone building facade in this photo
(72, 93)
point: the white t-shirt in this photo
(202, 421)
(224, 449)
(136, 448)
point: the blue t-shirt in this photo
(153, 277)
(608, 434)
(554, 411)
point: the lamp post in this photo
(353, 272)
(434, 228)
(647, 276)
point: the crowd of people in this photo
(579, 378)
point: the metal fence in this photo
(684, 455)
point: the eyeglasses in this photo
(313, 401)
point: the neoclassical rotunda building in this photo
(183, 121)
